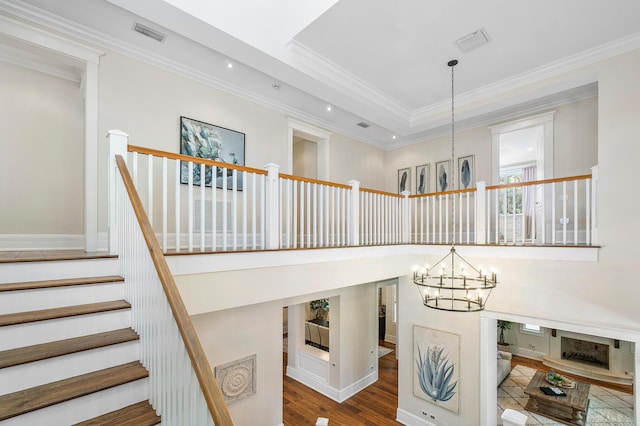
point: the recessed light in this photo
(275, 86)
(328, 107)
(393, 137)
(229, 65)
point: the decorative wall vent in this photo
(363, 124)
(149, 32)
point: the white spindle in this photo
(553, 213)
(316, 212)
(302, 223)
(164, 204)
(134, 166)
(190, 207)
(575, 212)
(224, 209)
(178, 206)
(150, 188)
(244, 188)
(254, 211)
(309, 236)
(587, 197)
(202, 207)
(263, 215)
(234, 209)
(214, 208)
(564, 212)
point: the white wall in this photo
(234, 334)
(305, 158)
(575, 142)
(351, 159)
(41, 177)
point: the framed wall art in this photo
(436, 367)
(443, 173)
(466, 172)
(203, 140)
(404, 180)
(423, 181)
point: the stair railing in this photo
(183, 389)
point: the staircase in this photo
(68, 354)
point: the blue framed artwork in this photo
(423, 183)
(436, 367)
(443, 173)
(404, 180)
(466, 172)
(203, 140)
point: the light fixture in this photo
(328, 107)
(393, 137)
(229, 65)
(452, 283)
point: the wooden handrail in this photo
(210, 389)
(319, 182)
(434, 194)
(182, 157)
(375, 191)
(540, 182)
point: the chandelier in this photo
(452, 283)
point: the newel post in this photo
(481, 213)
(354, 215)
(594, 205)
(118, 142)
(272, 213)
(405, 216)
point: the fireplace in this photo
(583, 351)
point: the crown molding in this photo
(19, 58)
(552, 69)
(68, 28)
(321, 68)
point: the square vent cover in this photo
(473, 41)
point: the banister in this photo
(539, 182)
(316, 181)
(434, 194)
(198, 160)
(375, 191)
(210, 390)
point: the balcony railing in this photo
(242, 208)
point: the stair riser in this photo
(55, 297)
(16, 336)
(54, 270)
(53, 369)
(84, 408)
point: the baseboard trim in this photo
(408, 419)
(320, 385)
(26, 242)
(30, 242)
(390, 338)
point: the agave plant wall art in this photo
(437, 367)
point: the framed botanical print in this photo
(404, 180)
(443, 173)
(466, 172)
(423, 183)
(436, 367)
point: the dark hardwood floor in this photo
(374, 406)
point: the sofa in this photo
(504, 366)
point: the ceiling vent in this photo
(144, 30)
(363, 124)
(473, 40)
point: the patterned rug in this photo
(606, 406)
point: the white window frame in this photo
(525, 329)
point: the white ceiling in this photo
(381, 62)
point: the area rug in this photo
(382, 351)
(606, 406)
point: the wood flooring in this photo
(374, 406)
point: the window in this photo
(511, 175)
(531, 328)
